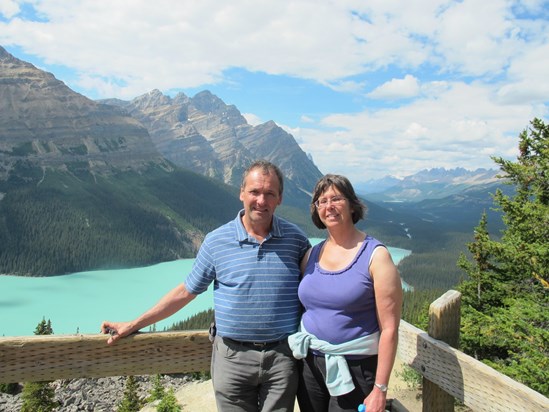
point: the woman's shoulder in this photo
(373, 242)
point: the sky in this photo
(368, 88)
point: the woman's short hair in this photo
(344, 186)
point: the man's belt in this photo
(256, 345)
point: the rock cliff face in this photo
(206, 135)
(83, 186)
(46, 123)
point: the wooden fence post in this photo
(444, 325)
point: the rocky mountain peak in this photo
(22, 85)
(207, 102)
(181, 98)
(46, 123)
(44, 120)
(432, 183)
(207, 136)
(152, 99)
(5, 56)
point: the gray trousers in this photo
(250, 380)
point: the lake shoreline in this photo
(78, 303)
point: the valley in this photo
(92, 185)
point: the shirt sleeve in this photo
(202, 272)
(305, 248)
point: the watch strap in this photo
(381, 387)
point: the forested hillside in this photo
(437, 231)
(62, 223)
(82, 186)
(435, 248)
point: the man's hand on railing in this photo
(117, 330)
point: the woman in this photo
(352, 297)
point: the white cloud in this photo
(9, 8)
(397, 89)
(143, 45)
(252, 119)
(462, 125)
(474, 71)
(477, 37)
(528, 76)
(345, 86)
(415, 130)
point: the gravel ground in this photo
(104, 394)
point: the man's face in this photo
(260, 196)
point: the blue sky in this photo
(368, 88)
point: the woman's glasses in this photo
(334, 200)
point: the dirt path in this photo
(198, 396)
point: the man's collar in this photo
(242, 235)
(277, 227)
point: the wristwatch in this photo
(381, 387)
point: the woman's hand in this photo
(376, 400)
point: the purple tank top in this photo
(340, 306)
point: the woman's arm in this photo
(303, 263)
(388, 292)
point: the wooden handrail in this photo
(470, 381)
(51, 357)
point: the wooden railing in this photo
(452, 374)
(448, 373)
(51, 357)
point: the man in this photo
(254, 264)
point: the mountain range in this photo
(436, 183)
(207, 136)
(99, 184)
(83, 184)
(45, 124)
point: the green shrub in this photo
(38, 397)
(169, 403)
(131, 401)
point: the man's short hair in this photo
(267, 168)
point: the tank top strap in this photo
(315, 252)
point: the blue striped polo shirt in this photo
(255, 285)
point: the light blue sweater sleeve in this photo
(338, 378)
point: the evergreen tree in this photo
(44, 328)
(415, 306)
(201, 320)
(9, 388)
(39, 396)
(169, 403)
(505, 316)
(157, 391)
(131, 401)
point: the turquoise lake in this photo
(79, 302)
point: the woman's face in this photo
(333, 208)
